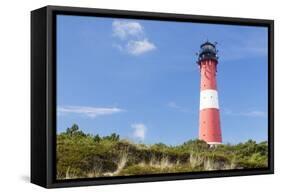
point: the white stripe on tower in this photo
(209, 99)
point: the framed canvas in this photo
(126, 96)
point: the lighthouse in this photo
(209, 117)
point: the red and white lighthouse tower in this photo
(209, 121)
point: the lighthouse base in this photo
(213, 144)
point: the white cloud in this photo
(125, 29)
(173, 105)
(131, 38)
(255, 113)
(92, 112)
(118, 47)
(139, 130)
(252, 113)
(137, 47)
(249, 45)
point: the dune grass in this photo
(81, 155)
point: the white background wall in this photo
(15, 94)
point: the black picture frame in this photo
(43, 95)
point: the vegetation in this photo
(81, 155)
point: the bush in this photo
(81, 155)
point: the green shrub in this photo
(81, 155)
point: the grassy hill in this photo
(81, 155)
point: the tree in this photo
(196, 145)
(112, 137)
(96, 138)
(74, 130)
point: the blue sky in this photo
(139, 78)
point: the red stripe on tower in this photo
(209, 118)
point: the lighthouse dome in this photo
(208, 51)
